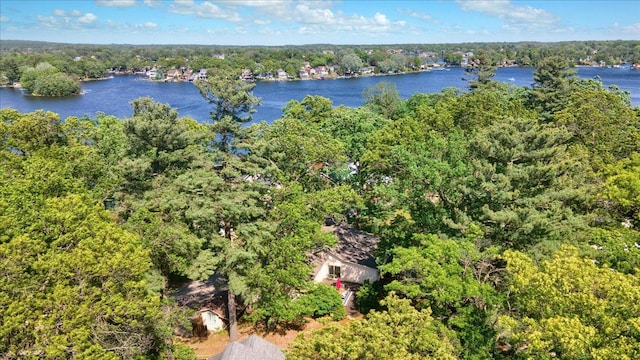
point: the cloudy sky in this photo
(287, 22)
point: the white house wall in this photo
(358, 273)
(349, 272)
(323, 272)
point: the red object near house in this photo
(338, 284)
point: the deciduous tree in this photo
(400, 332)
(569, 308)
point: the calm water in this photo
(114, 95)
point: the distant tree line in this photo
(95, 61)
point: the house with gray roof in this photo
(351, 260)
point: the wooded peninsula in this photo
(501, 222)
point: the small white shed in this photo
(211, 320)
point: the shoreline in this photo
(328, 77)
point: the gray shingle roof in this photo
(356, 246)
(252, 348)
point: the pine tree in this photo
(241, 201)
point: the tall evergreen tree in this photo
(553, 80)
(233, 104)
(241, 196)
(528, 187)
(161, 148)
(481, 69)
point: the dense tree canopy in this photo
(570, 308)
(73, 282)
(399, 332)
(507, 217)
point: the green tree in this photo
(553, 81)
(417, 62)
(302, 153)
(240, 213)
(433, 274)
(233, 103)
(414, 174)
(241, 198)
(481, 70)
(161, 148)
(353, 127)
(528, 187)
(452, 58)
(602, 120)
(88, 67)
(91, 300)
(87, 276)
(47, 80)
(569, 308)
(57, 84)
(312, 109)
(436, 111)
(398, 62)
(323, 300)
(484, 106)
(622, 187)
(349, 62)
(31, 74)
(456, 281)
(401, 332)
(28, 133)
(284, 274)
(613, 246)
(385, 99)
(11, 70)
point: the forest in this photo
(508, 221)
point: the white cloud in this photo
(206, 10)
(381, 19)
(154, 3)
(525, 16)
(87, 18)
(256, 3)
(116, 3)
(308, 17)
(315, 15)
(146, 27)
(4, 19)
(48, 21)
(454, 29)
(269, 32)
(633, 29)
(61, 19)
(418, 15)
(275, 9)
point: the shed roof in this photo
(252, 348)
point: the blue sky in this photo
(285, 22)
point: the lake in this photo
(113, 96)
